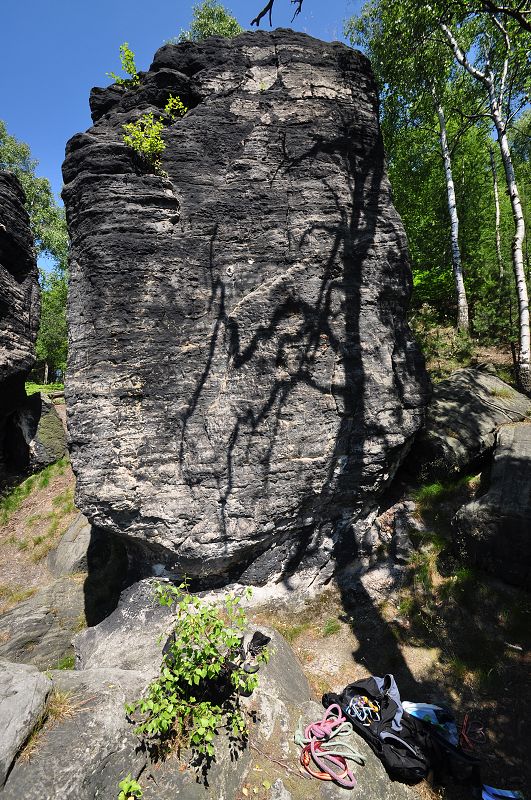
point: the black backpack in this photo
(408, 747)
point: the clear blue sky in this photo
(52, 52)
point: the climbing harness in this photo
(322, 745)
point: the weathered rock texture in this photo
(464, 414)
(19, 306)
(242, 381)
(494, 531)
(23, 693)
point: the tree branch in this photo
(267, 9)
(516, 13)
(460, 56)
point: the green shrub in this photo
(200, 684)
(175, 107)
(144, 136)
(129, 789)
(210, 18)
(127, 60)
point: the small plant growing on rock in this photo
(202, 676)
(129, 789)
(127, 60)
(144, 136)
(175, 107)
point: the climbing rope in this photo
(322, 745)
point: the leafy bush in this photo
(144, 136)
(129, 789)
(127, 60)
(210, 18)
(175, 107)
(200, 683)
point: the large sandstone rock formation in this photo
(242, 381)
(19, 307)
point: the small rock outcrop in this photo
(19, 309)
(23, 694)
(242, 382)
(464, 414)
(38, 436)
(494, 531)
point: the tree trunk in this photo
(524, 356)
(462, 304)
(497, 212)
(45, 373)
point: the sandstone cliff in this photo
(19, 306)
(242, 382)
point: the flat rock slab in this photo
(461, 422)
(242, 382)
(70, 555)
(129, 637)
(23, 694)
(39, 630)
(86, 754)
(494, 531)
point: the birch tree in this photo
(414, 73)
(493, 50)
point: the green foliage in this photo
(127, 60)
(129, 788)
(413, 62)
(45, 388)
(430, 495)
(66, 662)
(190, 700)
(210, 18)
(144, 136)
(175, 107)
(52, 339)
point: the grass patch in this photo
(503, 394)
(429, 495)
(44, 388)
(61, 705)
(12, 501)
(11, 595)
(331, 627)
(66, 662)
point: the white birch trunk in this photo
(497, 212)
(496, 105)
(462, 303)
(524, 357)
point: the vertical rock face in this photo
(242, 381)
(19, 304)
